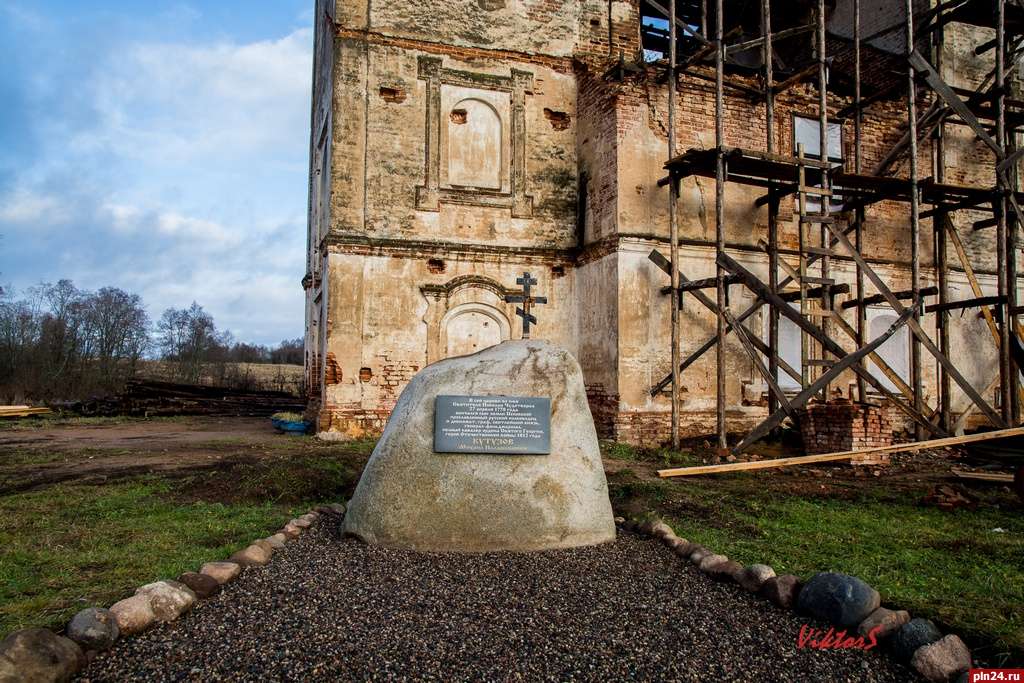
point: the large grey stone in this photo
(38, 655)
(411, 497)
(838, 598)
(94, 628)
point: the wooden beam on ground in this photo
(984, 476)
(840, 455)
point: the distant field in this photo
(264, 376)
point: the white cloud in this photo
(177, 171)
(27, 208)
(185, 103)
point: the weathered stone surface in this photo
(661, 530)
(782, 591)
(914, 634)
(169, 599)
(838, 598)
(301, 523)
(265, 544)
(684, 550)
(411, 497)
(252, 556)
(943, 660)
(276, 541)
(337, 508)
(38, 655)
(203, 585)
(133, 615)
(674, 543)
(94, 628)
(723, 571)
(698, 554)
(754, 576)
(290, 531)
(221, 572)
(710, 560)
(889, 620)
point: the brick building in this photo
(455, 145)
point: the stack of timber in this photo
(21, 411)
(152, 398)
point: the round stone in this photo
(839, 599)
(39, 654)
(94, 628)
(133, 615)
(169, 599)
(754, 576)
(221, 572)
(411, 497)
(912, 635)
(202, 585)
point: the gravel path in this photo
(332, 609)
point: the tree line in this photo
(61, 342)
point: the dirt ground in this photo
(35, 457)
(42, 455)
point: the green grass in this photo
(67, 547)
(949, 566)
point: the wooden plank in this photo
(984, 476)
(841, 455)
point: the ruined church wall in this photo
(390, 314)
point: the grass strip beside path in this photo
(67, 547)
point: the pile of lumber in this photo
(22, 411)
(152, 398)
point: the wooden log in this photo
(841, 455)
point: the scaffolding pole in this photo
(859, 213)
(939, 219)
(825, 200)
(673, 223)
(773, 200)
(720, 223)
(915, 220)
(1002, 241)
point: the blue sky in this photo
(159, 147)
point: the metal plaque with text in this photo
(492, 424)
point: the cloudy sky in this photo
(160, 147)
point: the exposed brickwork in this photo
(603, 407)
(332, 371)
(844, 426)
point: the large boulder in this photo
(411, 497)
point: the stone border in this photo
(845, 601)
(39, 654)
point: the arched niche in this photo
(474, 145)
(465, 315)
(472, 327)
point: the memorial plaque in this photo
(492, 424)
